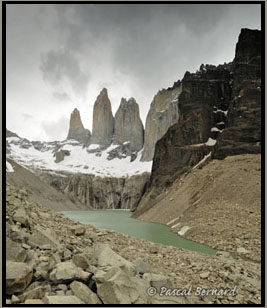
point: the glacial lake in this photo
(121, 221)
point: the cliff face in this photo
(103, 121)
(76, 130)
(242, 132)
(219, 115)
(128, 125)
(162, 114)
(203, 104)
(100, 192)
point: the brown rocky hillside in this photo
(220, 203)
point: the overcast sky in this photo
(60, 56)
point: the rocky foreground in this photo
(54, 260)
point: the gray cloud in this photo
(132, 49)
(58, 129)
(61, 96)
(60, 67)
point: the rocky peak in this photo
(103, 121)
(10, 134)
(162, 114)
(76, 130)
(128, 125)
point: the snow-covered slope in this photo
(91, 160)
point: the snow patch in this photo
(211, 142)
(202, 160)
(80, 161)
(172, 221)
(176, 225)
(215, 129)
(93, 146)
(219, 110)
(184, 230)
(9, 167)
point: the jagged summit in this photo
(103, 121)
(128, 125)
(76, 130)
(162, 114)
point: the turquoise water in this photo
(120, 221)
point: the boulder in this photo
(116, 286)
(33, 302)
(84, 293)
(103, 121)
(128, 126)
(157, 281)
(81, 260)
(14, 252)
(62, 299)
(101, 255)
(21, 217)
(60, 155)
(141, 266)
(37, 292)
(41, 237)
(67, 271)
(18, 276)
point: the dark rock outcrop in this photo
(103, 121)
(10, 134)
(128, 125)
(219, 113)
(60, 155)
(242, 133)
(76, 130)
(190, 139)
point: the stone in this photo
(223, 254)
(37, 292)
(84, 293)
(76, 129)
(103, 121)
(153, 249)
(19, 236)
(81, 261)
(14, 252)
(18, 276)
(14, 299)
(33, 302)
(57, 300)
(102, 255)
(204, 275)
(128, 126)
(41, 237)
(21, 217)
(157, 281)
(242, 250)
(141, 266)
(67, 271)
(118, 287)
(78, 230)
(61, 286)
